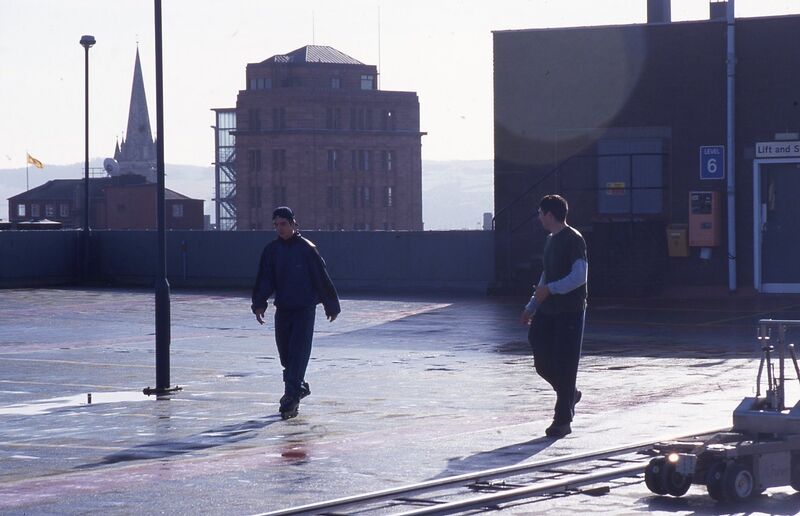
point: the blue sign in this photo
(712, 162)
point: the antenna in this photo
(313, 29)
(378, 78)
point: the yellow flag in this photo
(35, 162)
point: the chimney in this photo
(718, 11)
(658, 11)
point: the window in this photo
(333, 118)
(363, 119)
(336, 83)
(254, 160)
(279, 160)
(20, 210)
(177, 210)
(388, 198)
(367, 82)
(49, 210)
(630, 175)
(353, 160)
(279, 196)
(362, 197)
(279, 118)
(260, 83)
(334, 197)
(64, 210)
(35, 210)
(333, 160)
(388, 161)
(364, 160)
(254, 118)
(255, 197)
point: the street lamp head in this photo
(87, 41)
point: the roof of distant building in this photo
(314, 54)
(57, 189)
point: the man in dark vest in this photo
(292, 269)
(557, 309)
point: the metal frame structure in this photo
(225, 168)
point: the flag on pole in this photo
(35, 162)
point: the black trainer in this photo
(578, 396)
(558, 431)
(289, 405)
(305, 390)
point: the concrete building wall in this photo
(561, 95)
(38, 258)
(375, 261)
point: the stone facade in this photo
(314, 133)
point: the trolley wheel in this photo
(654, 476)
(677, 483)
(738, 482)
(714, 478)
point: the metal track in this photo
(457, 493)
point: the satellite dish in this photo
(111, 166)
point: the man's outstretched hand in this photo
(260, 315)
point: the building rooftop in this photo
(314, 54)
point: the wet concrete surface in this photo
(403, 390)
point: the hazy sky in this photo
(442, 49)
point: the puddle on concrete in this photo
(38, 407)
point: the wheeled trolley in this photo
(761, 450)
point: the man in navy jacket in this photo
(292, 269)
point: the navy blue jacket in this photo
(295, 272)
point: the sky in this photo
(441, 49)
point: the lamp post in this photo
(162, 285)
(86, 42)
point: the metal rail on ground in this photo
(399, 496)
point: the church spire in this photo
(137, 154)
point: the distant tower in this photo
(137, 152)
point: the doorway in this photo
(776, 225)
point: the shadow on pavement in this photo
(777, 504)
(222, 436)
(497, 458)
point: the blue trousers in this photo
(294, 329)
(556, 340)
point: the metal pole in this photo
(86, 42)
(162, 285)
(731, 154)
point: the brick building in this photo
(314, 132)
(122, 202)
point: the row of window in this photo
(361, 119)
(265, 83)
(361, 160)
(49, 210)
(362, 197)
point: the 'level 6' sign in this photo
(712, 162)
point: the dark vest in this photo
(560, 252)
